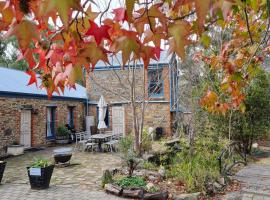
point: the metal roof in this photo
(116, 61)
(15, 82)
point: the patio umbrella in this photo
(102, 107)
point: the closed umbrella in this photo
(102, 107)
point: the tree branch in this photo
(248, 27)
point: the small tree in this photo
(254, 123)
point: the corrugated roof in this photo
(116, 60)
(15, 81)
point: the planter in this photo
(62, 158)
(2, 169)
(62, 139)
(15, 150)
(62, 155)
(40, 177)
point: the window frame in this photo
(160, 73)
(71, 116)
(52, 113)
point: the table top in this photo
(102, 135)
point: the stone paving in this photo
(256, 180)
(79, 181)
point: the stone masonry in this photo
(114, 85)
(10, 118)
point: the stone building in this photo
(156, 86)
(28, 117)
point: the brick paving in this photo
(79, 181)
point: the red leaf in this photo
(99, 33)
(33, 78)
(120, 14)
(156, 51)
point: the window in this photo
(50, 125)
(106, 120)
(71, 116)
(155, 83)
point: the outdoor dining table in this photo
(101, 138)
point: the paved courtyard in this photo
(79, 181)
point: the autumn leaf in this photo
(120, 14)
(148, 52)
(130, 6)
(26, 31)
(28, 56)
(62, 7)
(90, 14)
(127, 45)
(155, 37)
(99, 33)
(7, 15)
(33, 78)
(202, 8)
(91, 53)
(75, 75)
(179, 31)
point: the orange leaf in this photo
(26, 31)
(33, 78)
(202, 8)
(179, 32)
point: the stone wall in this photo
(114, 86)
(10, 116)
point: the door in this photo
(25, 137)
(118, 120)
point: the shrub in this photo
(107, 177)
(132, 182)
(62, 130)
(148, 165)
(254, 123)
(129, 156)
(146, 144)
(126, 144)
(196, 170)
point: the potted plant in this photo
(2, 169)
(40, 174)
(15, 149)
(62, 135)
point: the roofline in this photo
(38, 96)
(120, 67)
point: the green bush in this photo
(107, 177)
(130, 182)
(148, 165)
(146, 144)
(254, 123)
(201, 167)
(129, 156)
(126, 144)
(62, 130)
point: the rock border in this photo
(135, 193)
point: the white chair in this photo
(81, 140)
(113, 142)
(90, 145)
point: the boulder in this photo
(137, 193)
(113, 189)
(156, 196)
(191, 196)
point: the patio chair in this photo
(81, 140)
(90, 145)
(113, 142)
